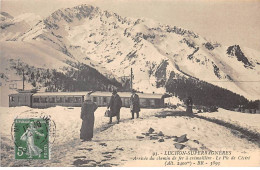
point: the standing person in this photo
(134, 104)
(87, 115)
(189, 104)
(115, 105)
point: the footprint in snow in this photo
(108, 156)
(103, 144)
(88, 149)
(80, 162)
(78, 157)
(107, 153)
(120, 149)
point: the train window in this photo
(52, 100)
(11, 99)
(142, 102)
(43, 100)
(94, 99)
(157, 102)
(127, 101)
(152, 102)
(69, 100)
(147, 102)
(77, 99)
(59, 100)
(36, 100)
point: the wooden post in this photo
(23, 80)
(131, 79)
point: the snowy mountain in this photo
(12, 27)
(112, 45)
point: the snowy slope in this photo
(11, 27)
(113, 44)
(117, 145)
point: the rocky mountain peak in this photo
(111, 44)
(236, 51)
(69, 14)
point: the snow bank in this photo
(173, 101)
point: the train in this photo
(75, 99)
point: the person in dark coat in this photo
(115, 105)
(134, 104)
(87, 115)
(189, 104)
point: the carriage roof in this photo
(127, 94)
(61, 93)
(97, 94)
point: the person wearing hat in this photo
(87, 115)
(115, 105)
(134, 104)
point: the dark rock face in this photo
(179, 146)
(216, 70)
(236, 51)
(154, 138)
(161, 73)
(196, 141)
(160, 133)
(151, 130)
(182, 139)
(209, 46)
(139, 137)
(191, 55)
(161, 140)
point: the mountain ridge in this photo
(113, 44)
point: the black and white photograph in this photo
(130, 83)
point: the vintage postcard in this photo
(130, 83)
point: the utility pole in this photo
(23, 79)
(131, 79)
(22, 71)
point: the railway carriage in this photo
(75, 99)
(51, 99)
(21, 99)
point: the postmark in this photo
(31, 138)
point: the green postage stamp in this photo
(31, 137)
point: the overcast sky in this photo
(226, 21)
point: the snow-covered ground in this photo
(245, 120)
(118, 144)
